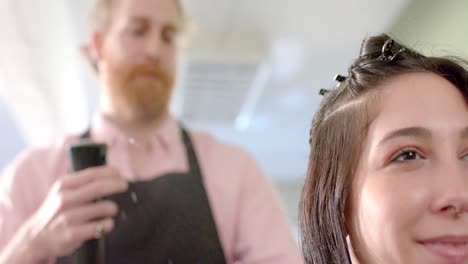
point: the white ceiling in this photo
(305, 42)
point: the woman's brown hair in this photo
(338, 129)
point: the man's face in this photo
(137, 58)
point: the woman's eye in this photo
(407, 155)
(465, 157)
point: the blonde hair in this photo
(100, 20)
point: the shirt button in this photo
(134, 197)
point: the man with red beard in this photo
(169, 195)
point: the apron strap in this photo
(190, 153)
(86, 134)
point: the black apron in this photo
(166, 220)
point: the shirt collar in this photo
(104, 130)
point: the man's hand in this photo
(69, 215)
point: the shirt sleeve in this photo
(22, 190)
(264, 235)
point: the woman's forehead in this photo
(420, 100)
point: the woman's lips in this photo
(451, 248)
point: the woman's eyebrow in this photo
(420, 132)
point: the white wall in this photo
(42, 86)
(11, 140)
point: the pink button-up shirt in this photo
(251, 223)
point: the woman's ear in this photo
(347, 218)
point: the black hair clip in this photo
(324, 91)
(387, 52)
(339, 78)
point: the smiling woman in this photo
(388, 170)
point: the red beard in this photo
(144, 92)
